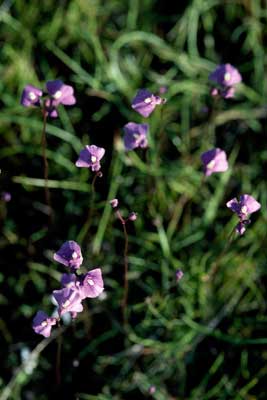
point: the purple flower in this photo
(152, 389)
(135, 135)
(92, 284)
(69, 255)
(31, 96)
(245, 206)
(50, 108)
(132, 216)
(70, 281)
(60, 93)
(225, 75)
(145, 102)
(114, 203)
(69, 300)
(90, 157)
(6, 197)
(42, 324)
(214, 160)
(179, 274)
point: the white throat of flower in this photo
(93, 159)
(244, 209)
(57, 95)
(148, 100)
(211, 164)
(32, 96)
(74, 255)
(90, 282)
(227, 76)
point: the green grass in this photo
(204, 338)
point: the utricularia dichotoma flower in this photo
(74, 288)
(90, 157)
(243, 208)
(226, 77)
(145, 102)
(135, 135)
(56, 93)
(214, 160)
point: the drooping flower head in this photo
(226, 77)
(135, 135)
(243, 208)
(69, 255)
(145, 102)
(92, 284)
(214, 160)
(69, 300)
(31, 96)
(42, 324)
(90, 157)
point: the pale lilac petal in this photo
(92, 284)
(42, 324)
(69, 255)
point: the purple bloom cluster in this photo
(243, 208)
(75, 288)
(135, 135)
(226, 77)
(56, 93)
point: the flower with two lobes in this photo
(226, 77)
(145, 102)
(75, 288)
(135, 135)
(243, 208)
(56, 93)
(214, 160)
(90, 157)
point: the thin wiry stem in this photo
(58, 357)
(126, 267)
(45, 162)
(86, 226)
(126, 284)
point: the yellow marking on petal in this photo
(93, 159)
(44, 323)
